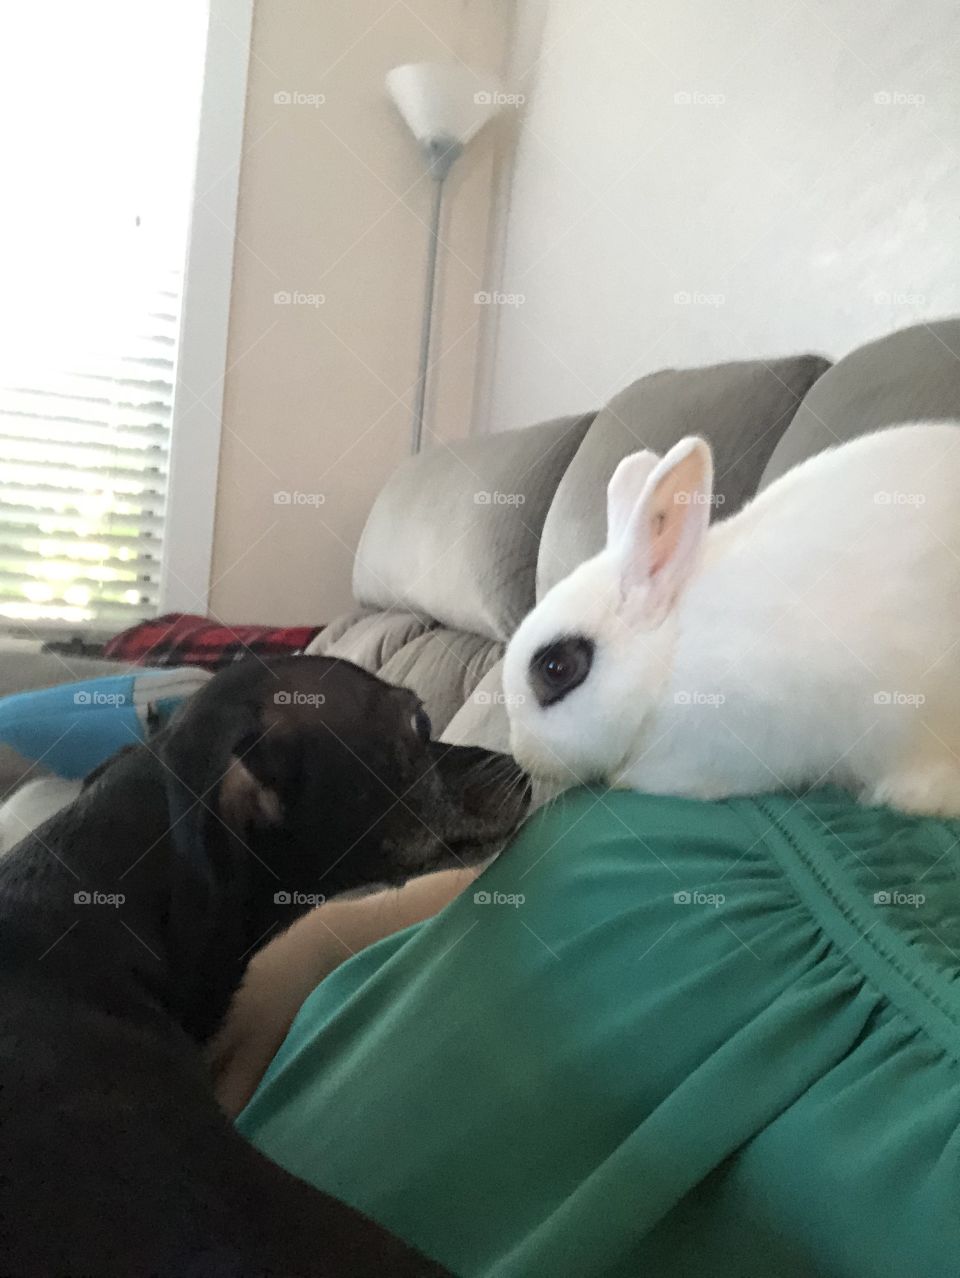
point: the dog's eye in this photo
(421, 725)
(560, 667)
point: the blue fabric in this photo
(74, 727)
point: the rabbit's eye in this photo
(560, 667)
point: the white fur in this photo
(813, 637)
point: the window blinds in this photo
(84, 450)
(103, 102)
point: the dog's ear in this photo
(101, 768)
(246, 800)
(207, 752)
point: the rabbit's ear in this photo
(624, 489)
(664, 535)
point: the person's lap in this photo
(656, 1036)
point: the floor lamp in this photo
(444, 106)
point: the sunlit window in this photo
(100, 103)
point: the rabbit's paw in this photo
(932, 789)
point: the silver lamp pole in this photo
(442, 154)
(444, 105)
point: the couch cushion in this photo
(482, 719)
(443, 668)
(742, 408)
(440, 665)
(911, 375)
(368, 638)
(454, 534)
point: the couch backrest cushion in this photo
(454, 534)
(442, 666)
(742, 409)
(482, 719)
(911, 375)
(369, 637)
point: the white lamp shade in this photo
(440, 100)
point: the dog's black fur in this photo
(305, 776)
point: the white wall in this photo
(795, 206)
(335, 202)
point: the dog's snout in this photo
(334, 757)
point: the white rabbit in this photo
(814, 637)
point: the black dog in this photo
(125, 924)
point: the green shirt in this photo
(659, 1037)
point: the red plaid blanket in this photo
(180, 639)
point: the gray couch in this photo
(464, 538)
